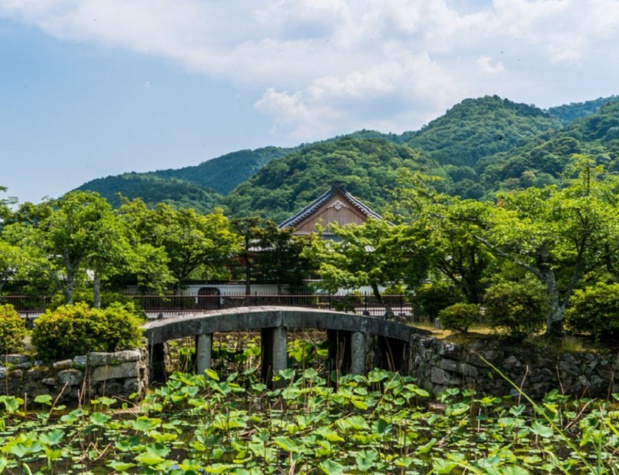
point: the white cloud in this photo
(487, 66)
(324, 65)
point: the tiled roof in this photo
(322, 199)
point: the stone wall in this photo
(80, 379)
(440, 364)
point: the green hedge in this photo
(594, 310)
(460, 316)
(516, 309)
(73, 330)
(12, 330)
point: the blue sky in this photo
(92, 88)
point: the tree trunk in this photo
(71, 268)
(554, 317)
(69, 287)
(96, 288)
(379, 299)
(247, 275)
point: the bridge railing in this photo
(156, 305)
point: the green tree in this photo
(248, 230)
(281, 257)
(191, 241)
(446, 227)
(375, 254)
(555, 234)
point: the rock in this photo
(131, 386)
(584, 381)
(72, 377)
(120, 357)
(443, 378)
(125, 370)
(448, 365)
(511, 361)
(15, 359)
(64, 364)
(80, 361)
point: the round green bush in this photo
(432, 297)
(516, 309)
(594, 310)
(73, 330)
(12, 330)
(460, 316)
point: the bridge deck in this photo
(255, 318)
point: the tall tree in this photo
(447, 227)
(248, 230)
(192, 241)
(79, 232)
(557, 235)
(375, 254)
(281, 258)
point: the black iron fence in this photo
(158, 305)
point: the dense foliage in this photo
(153, 189)
(476, 128)
(73, 330)
(224, 173)
(480, 146)
(369, 168)
(379, 423)
(460, 316)
(516, 308)
(12, 330)
(577, 110)
(595, 309)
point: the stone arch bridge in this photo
(356, 342)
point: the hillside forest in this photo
(496, 206)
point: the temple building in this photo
(336, 205)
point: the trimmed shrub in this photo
(460, 316)
(429, 299)
(516, 309)
(594, 310)
(12, 330)
(73, 330)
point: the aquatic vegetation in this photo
(379, 423)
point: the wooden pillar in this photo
(274, 342)
(204, 346)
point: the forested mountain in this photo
(542, 160)
(577, 110)
(368, 167)
(197, 186)
(476, 128)
(479, 146)
(153, 189)
(224, 173)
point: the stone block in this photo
(131, 385)
(64, 364)
(80, 361)
(118, 358)
(72, 377)
(15, 359)
(106, 372)
(443, 378)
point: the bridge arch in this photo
(349, 331)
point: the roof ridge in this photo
(310, 208)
